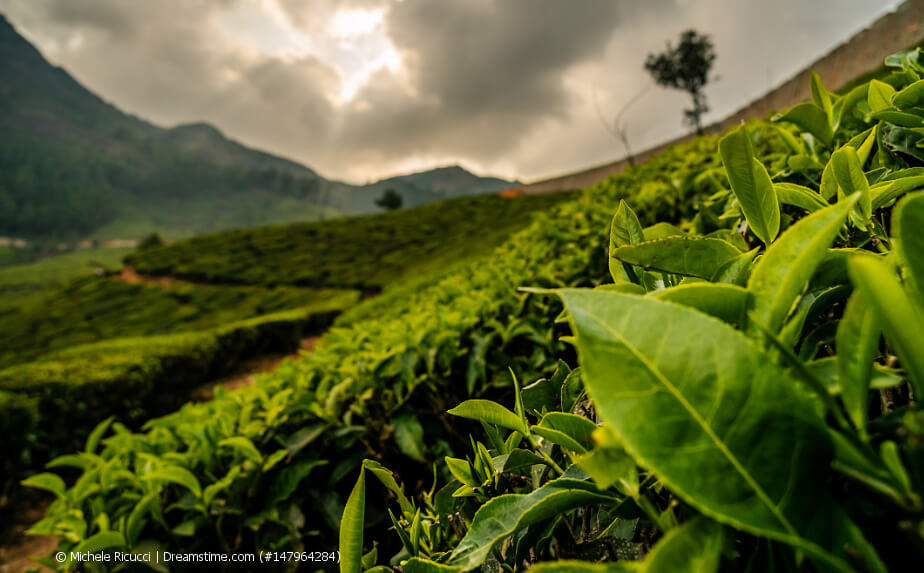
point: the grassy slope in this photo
(24, 284)
(368, 252)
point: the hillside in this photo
(74, 166)
(136, 345)
(714, 367)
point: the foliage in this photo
(27, 282)
(686, 67)
(712, 423)
(390, 200)
(93, 309)
(367, 253)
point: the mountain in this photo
(74, 166)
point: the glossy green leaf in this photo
(694, 547)
(661, 230)
(461, 470)
(811, 118)
(899, 118)
(177, 475)
(909, 97)
(625, 228)
(751, 184)
(579, 428)
(421, 565)
(286, 481)
(244, 447)
(504, 515)
(212, 490)
(489, 412)
(799, 196)
(823, 98)
(726, 302)
(857, 347)
(908, 228)
(850, 178)
(786, 268)
(96, 435)
(718, 422)
(47, 481)
(519, 459)
(136, 520)
(902, 320)
(609, 466)
(736, 271)
(885, 191)
(351, 528)
(880, 96)
(693, 256)
(387, 478)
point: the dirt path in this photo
(130, 276)
(245, 375)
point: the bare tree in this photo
(618, 127)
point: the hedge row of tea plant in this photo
(718, 430)
(94, 309)
(48, 407)
(366, 253)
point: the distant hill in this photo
(74, 166)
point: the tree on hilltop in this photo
(390, 200)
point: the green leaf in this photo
(608, 466)
(409, 436)
(726, 302)
(751, 184)
(850, 179)
(693, 256)
(661, 230)
(286, 481)
(880, 96)
(520, 458)
(47, 481)
(886, 191)
(506, 514)
(899, 118)
(625, 228)
(799, 196)
(387, 478)
(908, 224)
(351, 528)
(736, 271)
(211, 490)
(902, 321)
(710, 413)
(135, 523)
(177, 475)
(822, 97)
(695, 546)
(811, 118)
(489, 412)
(857, 347)
(97, 434)
(578, 428)
(786, 268)
(909, 97)
(243, 446)
(461, 470)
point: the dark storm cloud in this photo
(481, 75)
(501, 85)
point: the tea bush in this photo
(721, 415)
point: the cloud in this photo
(507, 86)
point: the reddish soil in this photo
(15, 546)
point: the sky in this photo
(364, 89)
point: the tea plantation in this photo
(706, 363)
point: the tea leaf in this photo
(850, 178)
(742, 433)
(811, 118)
(178, 475)
(751, 184)
(489, 412)
(506, 514)
(726, 302)
(693, 256)
(47, 481)
(908, 223)
(792, 194)
(880, 96)
(351, 528)
(786, 268)
(695, 546)
(857, 346)
(902, 321)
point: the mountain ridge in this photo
(74, 166)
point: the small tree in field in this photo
(390, 200)
(686, 67)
